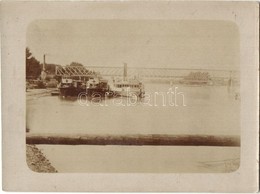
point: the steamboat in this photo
(127, 87)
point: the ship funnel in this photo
(125, 71)
(43, 66)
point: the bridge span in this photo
(150, 73)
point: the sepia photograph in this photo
(150, 96)
(130, 96)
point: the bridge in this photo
(74, 71)
(141, 72)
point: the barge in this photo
(71, 87)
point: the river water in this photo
(206, 110)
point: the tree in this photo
(76, 64)
(50, 68)
(33, 67)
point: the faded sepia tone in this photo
(165, 140)
(184, 119)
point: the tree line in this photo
(34, 67)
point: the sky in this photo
(139, 43)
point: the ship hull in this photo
(94, 92)
(127, 92)
(70, 91)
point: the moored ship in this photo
(197, 79)
(71, 87)
(127, 87)
(97, 87)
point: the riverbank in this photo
(36, 93)
(36, 161)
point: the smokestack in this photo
(43, 67)
(43, 73)
(125, 71)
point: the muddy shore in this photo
(36, 161)
(37, 93)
